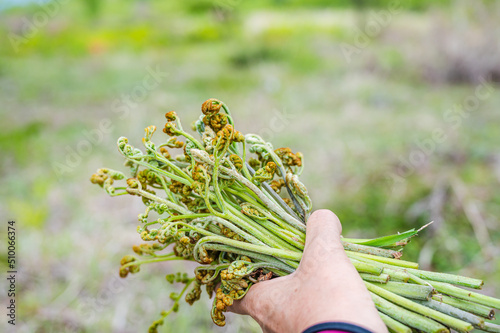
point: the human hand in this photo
(326, 287)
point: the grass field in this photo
(395, 111)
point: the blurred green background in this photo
(395, 106)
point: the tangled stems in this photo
(277, 253)
(153, 197)
(236, 206)
(205, 213)
(449, 321)
(251, 186)
(258, 257)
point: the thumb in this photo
(322, 240)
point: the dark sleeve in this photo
(336, 327)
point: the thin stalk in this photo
(170, 195)
(117, 194)
(390, 261)
(277, 253)
(226, 110)
(282, 171)
(246, 198)
(189, 227)
(417, 280)
(155, 259)
(454, 312)
(243, 195)
(448, 278)
(242, 189)
(214, 219)
(278, 272)
(468, 306)
(174, 167)
(397, 274)
(162, 172)
(249, 225)
(176, 303)
(188, 216)
(376, 251)
(214, 229)
(376, 264)
(215, 269)
(407, 317)
(274, 195)
(190, 137)
(283, 234)
(449, 321)
(394, 325)
(466, 294)
(281, 237)
(408, 290)
(382, 278)
(363, 267)
(265, 199)
(272, 240)
(493, 328)
(245, 172)
(287, 228)
(153, 197)
(259, 256)
(286, 233)
(280, 201)
(215, 173)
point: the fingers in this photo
(323, 220)
(326, 267)
(269, 303)
(245, 305)
(322, 240)
(265, 294)
(239, 307)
